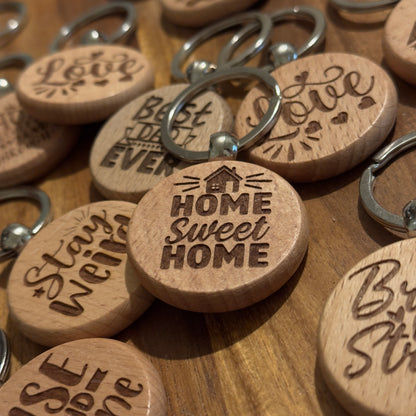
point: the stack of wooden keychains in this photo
(209, 237)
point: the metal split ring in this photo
(129, 24)
(13, 25)
(188, 47)
(405, 223)
(264, 126)
(16, 59)
(15, 236)
(363, 6)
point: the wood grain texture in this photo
(225, 235)
(94, 375)
(260, 360)
(73, 279)
(84, 84)
(399, 40)
(336, 110)
(128, 158)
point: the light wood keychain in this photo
(221, 235)
(127, 157)
(337, 108)
(28, 148)
(367, 339)
(86, 377)
(86, 84)
(73, 279)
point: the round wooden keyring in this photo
(73, 279)
(84, 84)
(336, 110)
(89, 376)
(127, 158)
(366, 335)
(228, 235)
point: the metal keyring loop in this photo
(298, 12)
(13, 25)
(129, 24)
(205, 34)
(367, 183)
(12, 60)
(264, 126)
(364, 6)
(15, 236)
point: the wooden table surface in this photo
(260, 360)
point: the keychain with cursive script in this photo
(337, 109)
(93, 376)
(85, 84)
(73, 279)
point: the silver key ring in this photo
(15, 236)
(5, 356)
(129, 24)
(13, 25)
(363, 6)
(265, 124)
(207, 33)
(316, 38)
(17, 59)
(405, 223)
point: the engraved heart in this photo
(366, 102)
(95, 55)
(78, 83)
(313, 127)
(302, 77)
(126, 78)
(101, 83)
(340, 118)
(398, 315)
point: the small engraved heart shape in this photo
(341, 118)
(366, 102)
(313, 127)
(302, 77)
(101, 83)
(398, 315)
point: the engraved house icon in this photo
(223, 180)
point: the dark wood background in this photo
(260, 360)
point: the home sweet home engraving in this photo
(239, 237)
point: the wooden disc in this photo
(399, 40)
(29, 148)
(128, 158)
(336, 110)
(218, 236)
(367, 341)
(73, 279)
(83, 84)
(86, 377)
(195, 13)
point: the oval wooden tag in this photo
(336, 110)
(399, 40)
(218, 236)
(83, 84)
(128, 158)
(195, 13)
(73, 279)
(29, 148)
(86, 377)
(367, 340)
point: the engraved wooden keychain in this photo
(73, 279)
(221, 235)
(367, 339)
(86, 377)
(337, 108)
(86, 84)
(127, 157)
(28, 147)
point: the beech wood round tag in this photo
(128, 158)
(195, 13)
(336, 110)
(73, 279)
(399, 40)
(86, 377)
(367, 340)
(218, 236)
(29, 148)
(83, 84)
